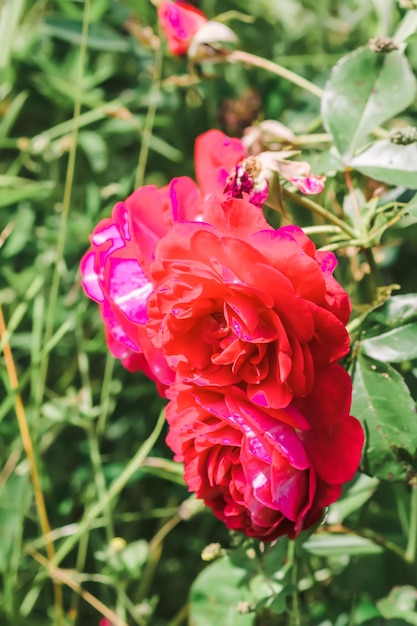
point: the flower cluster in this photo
(241, 326)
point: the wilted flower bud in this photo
(296, 172)
(403, 136)
(382, 44)
(212, 551)
(248, 177)
(206, 42)
(269, 134)
(244, 607)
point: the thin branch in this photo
(314, 207)
(30, 455)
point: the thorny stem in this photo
(30, 455)
(319, 210)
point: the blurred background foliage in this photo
(70, 146)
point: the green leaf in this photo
(325, 544)
(22, 232)
(400, 603)
(364, 90)
(407, 28)
(99, 36)
(397, 310)
(355, 497)
(389, 163)
(95, 149)
(395, 346)
(325, 162)
(27, 191)
(383, 404)
(14, 498)
(216, 593)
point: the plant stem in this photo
(410, 552)
(374, 271)
(150, 118)
(342, 244)
(295, 619)
(322, 229)
(369, 534)
(319, 210)
(105, 394)
(66, 578)
(56, 279)
(274, 68)
(283, 72)
(357, 220)
(115, 488)
(30, 455)
(301, 140)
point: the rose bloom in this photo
(266, 472)
(115, 271)
(237, 302)
(180, 21)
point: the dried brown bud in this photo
(382, 44)
(244, 607)
(403, 136)
(212, 551)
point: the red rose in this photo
(180, 22)
(266, 472)
(236, 302)
(115, 269)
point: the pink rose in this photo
(180, 21)
(266, 472)
(237, 302)
(223, 166)
(309, 184)
(115, 271)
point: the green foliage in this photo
(78, 80)
(355, 99)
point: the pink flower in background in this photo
(115, 271)
(223, 167)
(266, 472)
(215, 156)
(238, 303)
(180, 21)
(309, 184)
